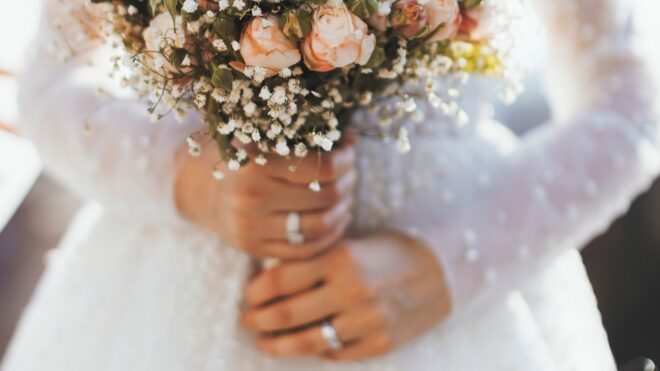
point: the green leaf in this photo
(377, 58)
(296, 24)
(225, 27)
(221, 78)
(153, 5)
(170, 5)
(178, 55)
(363, 8)
(469, 4)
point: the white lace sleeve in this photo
(91, 138)
(570, 178)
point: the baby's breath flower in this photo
(260, 160)
(235, 45)
(218, 175)
(241, 155)
(285, 72)
(209, 16)
(223, 5)
(402, 142)
(384, 8)
(234, 165)
(239, 4)
(323, 142)
(193, 147)
(279, 95)
(315, 186)
(249, 109)
(300, 150)
(220, 45)
(265, 93)
(190, 6)
(194, 26)
(282, 148)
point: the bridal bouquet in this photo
(281, 74)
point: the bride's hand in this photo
(378, 292)
(249, 208)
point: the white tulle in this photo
(133, 287)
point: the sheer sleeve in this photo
(94, 136)
(570, 178)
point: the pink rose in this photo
(263, 44)
(338, 38)
(446, 13)
(479, 22)
(408, 17)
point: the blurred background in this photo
(623, 264)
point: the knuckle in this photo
(332, 194)
(301, 345)
(359, 292)
(281, 316)
(274, 280)
(328, 166)
(321, 224)
(306, 251)
(384, 342)
(248, 197)
(244, 244)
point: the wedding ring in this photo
(329, 334)
(293, 234)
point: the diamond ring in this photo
(293, 234)
(329, 334)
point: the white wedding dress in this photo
(135, 288)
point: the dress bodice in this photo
(440, 147)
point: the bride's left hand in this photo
(378, 292)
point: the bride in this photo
(460, 255)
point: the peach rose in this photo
(408, 17)
(447, 13)
(160, 38)
(338, 38)
(263, 44)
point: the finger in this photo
(302, 343)
(313, 224)
(277, 196)
(286, 279)
(320, 166)
(377, 344)
(358, 322)
(350, 326)
(302, 198)
(284, 250)
(308, 307)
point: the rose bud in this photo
(408, 17)
(381, 20)
(263, 44)
(445, 14)
(339, 38)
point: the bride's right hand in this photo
(249, 208)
